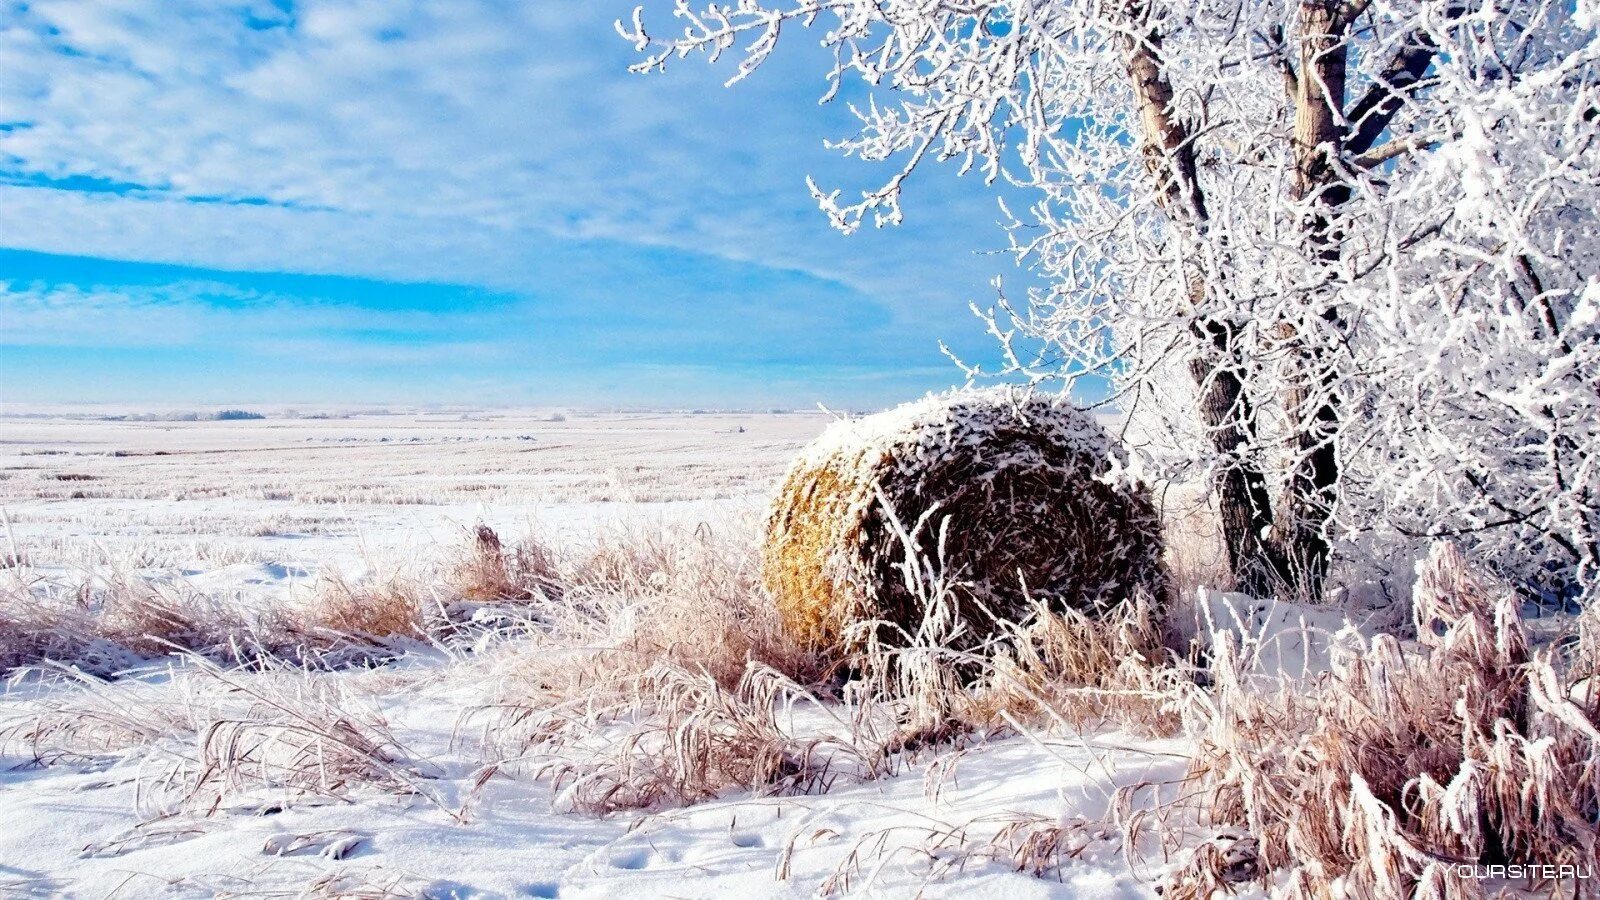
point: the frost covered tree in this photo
(1337, 257)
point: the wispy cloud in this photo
(477, 142)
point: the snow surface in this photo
(242, 504)
(63, 824)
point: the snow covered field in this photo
(252, 512)
(279, 658)
(230, 503)
(73, 830)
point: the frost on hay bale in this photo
(1016, 481)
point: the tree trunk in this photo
(1299, 534)
(1243, 499)
(1244, 502)
(1226, 410)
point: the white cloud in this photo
(459, 132)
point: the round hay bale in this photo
(1015, 481)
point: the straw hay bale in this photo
(1018, 484)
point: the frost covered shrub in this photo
(1384, 774)
(997, 495)
(33, 629)
(690, 740)
(484, 573)
(370, 610)
(604, 618)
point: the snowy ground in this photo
(72, 831)
(236, 504)
(254, 508)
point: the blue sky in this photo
(447, 201)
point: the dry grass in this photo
(1084, 672)
(1384, 774)
(283, 743)
(1041, 846)
(690, 740)
(373, 885)
(684, 594)
(599, 616)
(113, 620)
(484, 574)
(661, 679)
(35, 627)
(371, 610)
(649, 670)
(153, 620)
(89, 719)
(211, 739)
(1376, 779)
